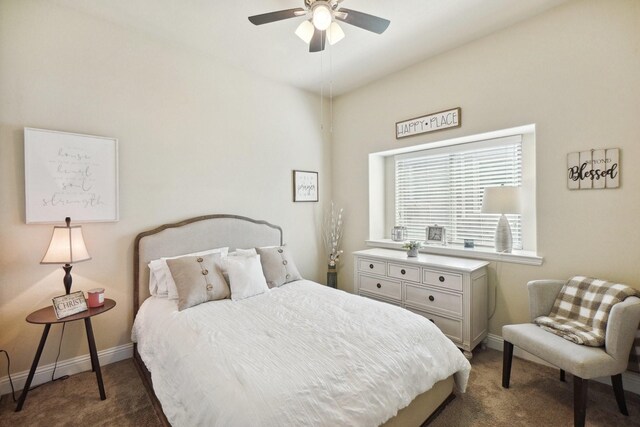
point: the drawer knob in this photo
(403, 271)
(441, 278)
(431, 298)
(379, 285)
(370, 265)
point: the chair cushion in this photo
(585, 362)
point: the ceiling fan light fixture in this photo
(305, 31)
(322, 16)
(334, 33)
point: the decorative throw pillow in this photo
(278, 266)
(245, 276)
(161, 283)
(198, 279)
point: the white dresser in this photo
(451, 292)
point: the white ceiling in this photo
(419, 29)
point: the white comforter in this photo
(299, 355)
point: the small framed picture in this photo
(66, 305)
(436, 234)
(305, 186)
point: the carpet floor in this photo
(536, 398)
(75, 401)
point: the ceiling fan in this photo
(321, 25)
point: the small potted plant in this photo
(412, 247)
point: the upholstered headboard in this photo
(193, 235)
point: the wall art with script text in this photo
(70, 175)
(593, 169)
(305, 186)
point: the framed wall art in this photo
(70, 175)
(305, 186)
(593, 169)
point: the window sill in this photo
(516, 257)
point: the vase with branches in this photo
(332, 238)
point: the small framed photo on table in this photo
(305, 186)
(436, 234)
(66, 305)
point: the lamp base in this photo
(67, 278)
(504, 240)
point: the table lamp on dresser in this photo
(66, 247)
(502, 200)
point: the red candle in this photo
(96, 297)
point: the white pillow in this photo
(245, 276)
(244, 252)
(161, 283)
(153, 284)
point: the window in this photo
(444, 186)
(442, 182)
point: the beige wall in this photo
(198, 137)
(575, 73)
(195, 137)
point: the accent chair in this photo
(583, 362)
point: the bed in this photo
(300, 354)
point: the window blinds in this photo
(445, 187)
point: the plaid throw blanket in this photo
(581, 310)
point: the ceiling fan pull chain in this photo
(321, 92)
(330, 91)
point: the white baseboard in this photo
(66, 367)
(630, 380)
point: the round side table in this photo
(46, 316)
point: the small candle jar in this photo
(95, 297)
(399, 233)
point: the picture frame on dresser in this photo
(436, 234)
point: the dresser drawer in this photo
(432, 299)
(374, 267)
(452, 328)
(403, 272)
(439, 278)
(376, 298)
(457, 287)
(382, 287)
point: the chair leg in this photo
(507, 355)
(580, 388)
(562, 376)
(616, 381)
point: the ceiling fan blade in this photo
(266, 18)
(364, 20)
(318, 41)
